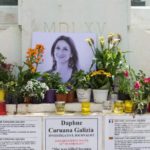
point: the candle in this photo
(2, 95)
(128, 106)
(60, 107)
(118, 107)
(2, 108)
(85, 108)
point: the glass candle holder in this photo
(2, 108)
(60, 107)
(128, 106)
(118, 107)
(2, 95)
(107, 107)
(85, 108)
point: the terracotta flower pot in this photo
(27, 100)
(70, 97)
(61, 97)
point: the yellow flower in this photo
(100, 72)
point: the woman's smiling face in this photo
(62, 52)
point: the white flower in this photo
(34, 88)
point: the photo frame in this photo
(84, 52)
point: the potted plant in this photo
(2, 99)
(138, 95)
(52, 80)
(29, 70)
(61, 93)
(34, 91)
(71, 92)
(5, 76)
(108, 56)
(81, 81)
(99, 81)
(6, 70)
(125, 78)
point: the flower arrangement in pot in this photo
(138, 93)
(107, 55)
(99, 81)
(34, 91)
(61, 93)
(28, 70)
(81, 82)
(6, 75)
(125, 78)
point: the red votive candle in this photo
(2, 108)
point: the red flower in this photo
(137, 85)
(126, 74)
(147, 80)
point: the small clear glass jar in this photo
(60, 107)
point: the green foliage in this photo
(53, 80)
(107, 55)
(6, 70)
(125, 77)
(81, 79)
(138, 91)
(62, 89)
(25, 75)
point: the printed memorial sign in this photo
(73, 133)
(20, 133)
(127, 133)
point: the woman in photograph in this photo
(65, 57)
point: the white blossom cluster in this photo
(34, 88)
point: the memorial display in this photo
(108, 65)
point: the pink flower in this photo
(126, 74)
(137, 85)
(147, 80)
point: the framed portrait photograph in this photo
(64, 50)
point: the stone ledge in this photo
(48, 108)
